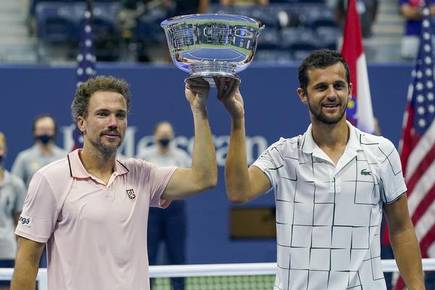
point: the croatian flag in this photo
(360, 111)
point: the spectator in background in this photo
(42, 152)
(412, 12)
(12, 192)
(137, 16)
(367, 10)
(167, 227)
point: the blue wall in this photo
(272, 110)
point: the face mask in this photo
(1, 160)
(164, 142)
(45, 138)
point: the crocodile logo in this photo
(365, 172)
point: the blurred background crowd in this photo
(47, 31)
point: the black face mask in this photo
(1, 160)
(45, 139)
(164, 142)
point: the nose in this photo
(331, 92)
(113, 122)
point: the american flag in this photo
(86, 59)
(360, 111)
(417, 148)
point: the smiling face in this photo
(105, 123)
(327, 94)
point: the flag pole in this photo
(86, 59)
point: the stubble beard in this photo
(106, 151)
(321, 117)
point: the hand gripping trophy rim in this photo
(212, 45)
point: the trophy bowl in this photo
(208, 45)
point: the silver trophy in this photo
(209, 45)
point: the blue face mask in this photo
(45, 139)
(164, 142)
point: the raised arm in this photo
(26, 264)
(242, 183)
(203, 172)
(404, 243)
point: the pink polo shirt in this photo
(96, 234)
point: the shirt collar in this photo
(77, 170)
(309, 146)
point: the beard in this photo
(322, 117)
(106, 149)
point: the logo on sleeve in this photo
(130, 193)
(24, 221)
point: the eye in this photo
(340, 86)
(121, 115)
(321, 87)
(102, 114)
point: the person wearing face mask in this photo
(12, 192)
(43, 151)
(167, 227)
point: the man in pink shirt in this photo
(91, 209)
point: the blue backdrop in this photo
(272, 110)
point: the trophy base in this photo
(208, 70)
(210, 79)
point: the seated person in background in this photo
(412, 12)
(12, 192)
(145, 15)
(367, 10)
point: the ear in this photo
(349, 97)
(302, 95)
(81, 125)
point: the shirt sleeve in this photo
(40, 211)
(393, 183)
(270, 161)
(159, 179)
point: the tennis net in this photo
(250, 276)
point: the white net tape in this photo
(247, 269)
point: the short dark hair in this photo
(40, 117)
(79, 106)
(320, 59)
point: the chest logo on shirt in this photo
(130, 193)
(365, 172)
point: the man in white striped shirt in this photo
(331, 185)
